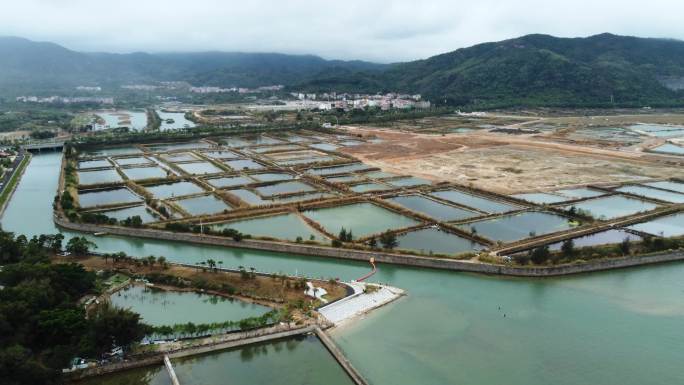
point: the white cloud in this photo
(352, 29)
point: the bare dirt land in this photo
(505, 163)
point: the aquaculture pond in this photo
(286, 147)
(408, 182)
(432, 240)
(199, 168)
(667, 185)
(286, 226)
(107, 197)
(653, 193)
(669, 226)
(476, 202)
(99, 176)
(201, 205)
(140, 173)
(271, 176)
(566, 323)
(669, 148)
(94, 164)
(284, 188)
(221, 154)
(602, 238)
(432, 208)
(175, 189)
(514, 227)
(362, 218)
(247, 196)
(317, 159)
(135, 120)
(180, 157)
(161, 307)
(613, 206)
(579, 193)
(301, 197)
(345, 178)
(132, 161)
(229, 181)
(324, 146)
(173, 120)
(111, 151)
(659, 130)
(296, 360)
(177, 146)
(338, 169)
(129, 212)
(366, 187)
(379, 174)
(242, 164)
(540, 198)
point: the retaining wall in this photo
(382, 257)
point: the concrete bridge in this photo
(38, 146)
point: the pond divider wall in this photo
(380, 256)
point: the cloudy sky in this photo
(377, 30)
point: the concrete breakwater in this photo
(381, 257)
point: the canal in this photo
(619, 327)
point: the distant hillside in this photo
(25, 64)
(536, 70)
(533, 70)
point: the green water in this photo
(366, 187)
(475, 202)
(299, 360)
(436, 241)
(149, 375)
(96, 177)
(241, 164)
(229, 181)
(140, 173)
(201, 205)
(613, 206)
(94, 164)
(619, 327)
(518, 226)
(107, 197)
(287, 227)
(408, 182)
(140, 211)
(170, 190)
(284, 188)
(669, 226)
(160, 307)
(131, 161)
(271, 176)
(667, 185)
(433, 208)
(653, 193)
(199, 168)
(540, 198)
(362, 218)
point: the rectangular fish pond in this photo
(614, 206)
(94, 164)
(132, 161)
(540, 198)
(667, 185)
(175, 189)
(363, 219)
(338, 169)
(285, 226)
(180, 157)
(107, 197)
(653, 193)
(432, 208)
(432, 240)
(669, 226)
(99, 176)
(140, 173)
(203, 205)
(295, 360)
(367, 187)
(514, 227)
(230, 181)
(220, 154)
(142, 211)
(301, 197)
(248, 197)
(111, 151)
(579, 193)
(284, 188)
(177, 146)
(271, 176)
(199, 168)
(602, 238)
(669, 148)
(476, 202)
(408, 182)
(243, 164)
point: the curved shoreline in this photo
(382, 257)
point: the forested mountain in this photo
(600, 70)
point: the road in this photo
(4, 181)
